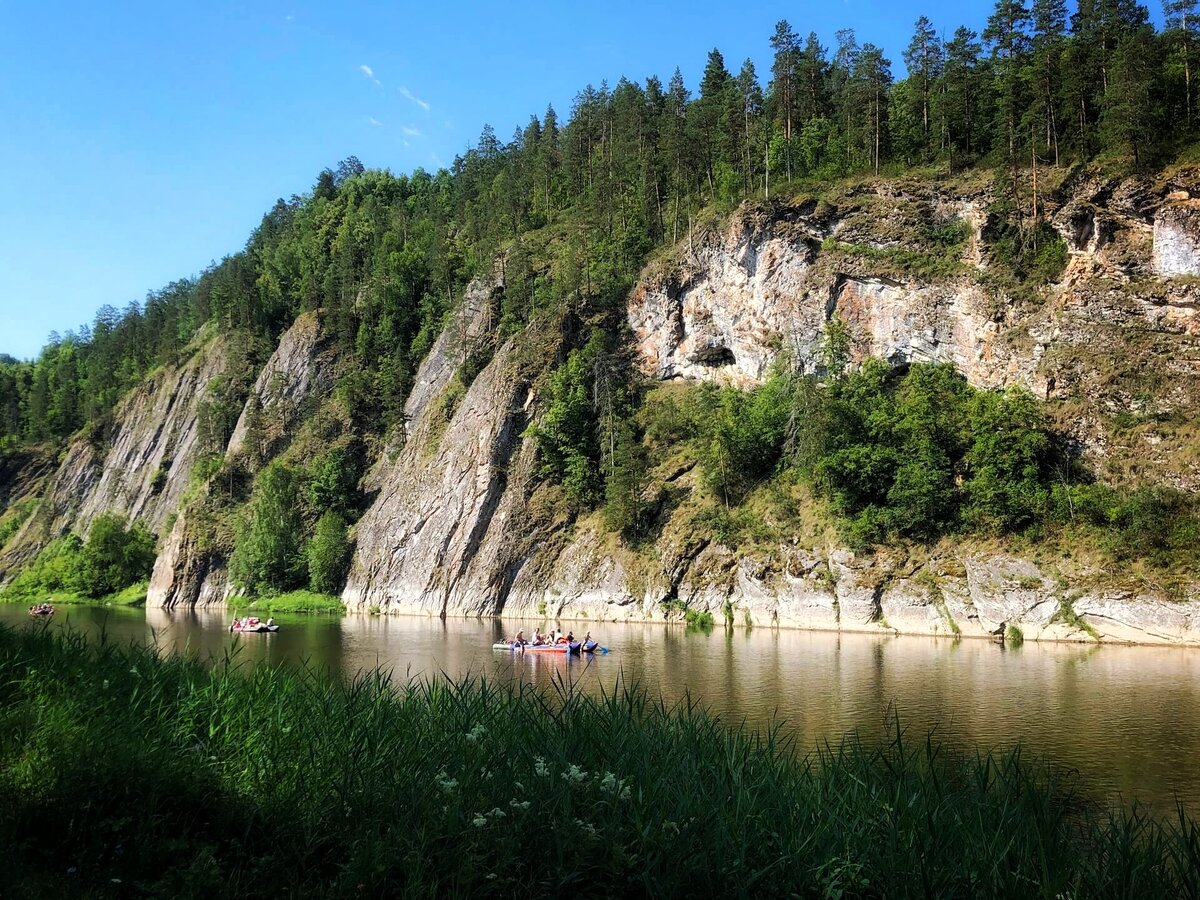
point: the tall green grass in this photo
(126, 774)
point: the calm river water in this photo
(1127, 718)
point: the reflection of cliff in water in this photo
(197, 632)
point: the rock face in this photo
(140, 467)
(186, 574)
(1177, 238)
(295, 372)
(442, 535)
(457, 527)
(188, 571)
(732, 308)
(765, 287)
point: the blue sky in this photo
(141, 140)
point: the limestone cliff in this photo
(139, 466)
(461, 523)
(451, 530)
(459, 527)
(190, 568)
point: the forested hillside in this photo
(633, 168)
(567, 214)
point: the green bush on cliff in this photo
(122, 773)
(115, 556)
(913, 453)
(113, 565)
(268, 556)
(328, 554)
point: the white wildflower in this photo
(574, 775)
(540, 768)
(587, 827)
(497, 813)
(479, 821)
(476, 733)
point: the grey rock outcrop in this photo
(296, 372)
(445, 533)
(140, 466)
(1177, 238)
(186, 574)
(764, 288)
(188, 571)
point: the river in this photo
(1127, 718)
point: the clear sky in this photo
(141, 140)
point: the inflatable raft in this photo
(575, 647)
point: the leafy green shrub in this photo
(115, 556)
(920, 453)
(333, 477)
(53, 569)
(268, 555)
(741, 435)
(567, 434)
(328, 554)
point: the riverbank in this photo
(293, 602)
(132, 596)
(119, 768)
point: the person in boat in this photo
(588, 644)
(270, 621)
(538, 638)
(519, 638)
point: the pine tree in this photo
(1007, 33)
(924, 61)
(873, 72)
(786, 44)
(750, 102)
(1130, 113)
(1049, 19)
(328, 554)
(1180, 16)
(960, 91)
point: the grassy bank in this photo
(291, 602)
(134, 595)
(122, 774)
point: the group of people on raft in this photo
(555, 637)
(249, 623)
(41, 609)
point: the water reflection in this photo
(1126, 717)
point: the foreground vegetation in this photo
(123, 774)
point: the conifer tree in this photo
(924, 61)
